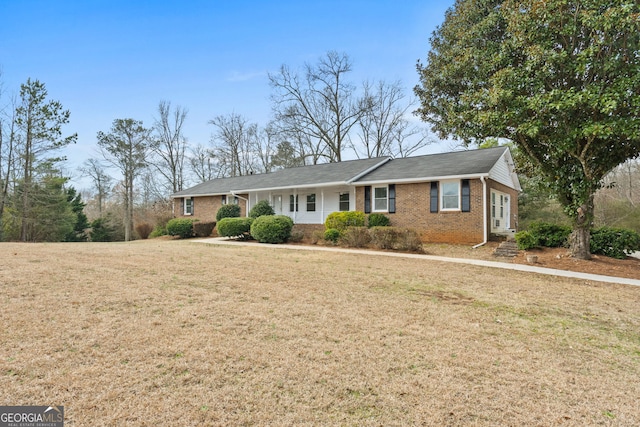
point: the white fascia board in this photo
(293, 187)
(187, 196)
(423, 179)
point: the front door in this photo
(500, 212)
(277, 204)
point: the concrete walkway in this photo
(482, 263)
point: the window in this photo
(380, 201)
(450, 199)
(344, 202)
(229, 200)
(188, 206)
(293, 203)
(311, 202)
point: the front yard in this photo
(166, 332)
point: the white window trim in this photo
(373, 199)
(315, 202)
(442, 195)
(348, 194)
(184, 210)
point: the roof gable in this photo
(437, 166)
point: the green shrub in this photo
(614, 242)
(203, 229)
(341, 220)
(355, 237)
(158, 231)
(272, 228)
(260, 209)
(235, 227)
(526, 240)
(549, 235)
(331, 235)
(182, 227)
(378, 220)
(228, 211)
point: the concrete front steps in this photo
(507, 249)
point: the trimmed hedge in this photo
(235, 227)
(550, 235)
(260, 209)
(614, 242)
(355, 237)
(331, 235)
(341, 220)
(378, 220)
(228, 211)
(543, 234)
(182, 227)
(272, 228)
(203, 229)
(401, 239)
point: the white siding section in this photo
(327, 201)
(504, 173)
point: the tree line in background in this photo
(319, 116)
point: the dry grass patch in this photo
(181, 333)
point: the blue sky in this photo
(110, 59)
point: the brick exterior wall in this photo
(413, 211)
(205, 208)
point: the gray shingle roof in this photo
(458, 163)
(381, 169)
(303, 176)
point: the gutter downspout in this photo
(484, 213)
(246, 200)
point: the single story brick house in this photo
(457, 197)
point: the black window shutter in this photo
(224, 199)
(392, 198)
(367, 199)
(434, 197)
(466, 196)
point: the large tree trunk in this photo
(581, 235)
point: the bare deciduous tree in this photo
(102, 182)
(321, 105)
(203, 164)
(170, 144)
(383, 128)
(8, 144)
(234, 143)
